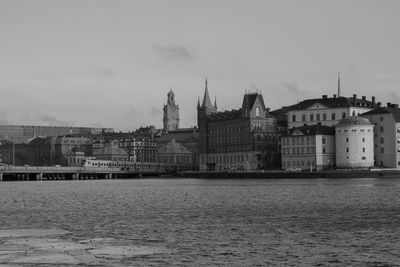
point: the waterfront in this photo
(218, 221)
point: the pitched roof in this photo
(385, 110)
(330, 102)
(172, 148)
(234, 114)
(312, 130)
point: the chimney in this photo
(373, 101)
(364, 97)
(334, 96)
(379, 104)
(388, 104)
(354, 99)
(324, 96)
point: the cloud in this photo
(174, 52)
(293, 87)
(51, 120)
(104, 72)
(395, 97)
(155, 112)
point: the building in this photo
(23, 133)
(125, 146)
(110, 150)
(176, 155)
(327, 110)
(63, 147)
(308, 148)
(354, 138)
(187, 137)
(243, 139)
(386, 135)
(171, 113)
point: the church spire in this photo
(338, 85)
(198, 102)
(206, 100)
(215, 103)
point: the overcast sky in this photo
(111, 63)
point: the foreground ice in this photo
(55, 247)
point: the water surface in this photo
(320, 222)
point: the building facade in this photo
(187, 137)
(175, 155)
(386, 135)
(308, 148)
(354, 138)
(243, 139)
(327, 110)
(171, 113)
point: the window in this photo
(324, 116)
(382, 140)
(257, 112)
(311, 117)
(382, 150)
(363, 139)
(398, 163)
(381, 118)
(323, 141)
(318, 117)
(324, 151)
(398, 129)
(343, 115)
(381, 129)
(364, 149)
(347, 150)
(347, 140)
(398, 140)
(333, 116)
(362, 158)
(293, 117)
(303, 117)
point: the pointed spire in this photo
(206, 100)
(215, 102)
(338, 85)
(198, 102)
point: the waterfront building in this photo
(65, 146)
(176, 155)
(386, 135)
(187, 137)
(109, 150)
(171, 113)
(23, 133)
(308, 148)
(354, 138)
(128, 146)
(327, 110)
(243, 139)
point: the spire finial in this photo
(215, 102)
(206, 82)
(338, 86)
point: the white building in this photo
(309, 148)
(386, 135)
(327, 110)
(354, 143)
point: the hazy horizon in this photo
(112, 63)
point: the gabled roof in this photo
(250, 99)
(385, 110)
(312, 130)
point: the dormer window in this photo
(257, 112)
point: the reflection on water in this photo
(220, 222)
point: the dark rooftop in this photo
(312, 130)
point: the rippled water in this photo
(321, 222)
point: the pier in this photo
(38, 173)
